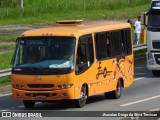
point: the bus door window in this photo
(85, 56)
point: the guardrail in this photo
(7, 72)
(139, 47)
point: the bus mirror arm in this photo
(144, 16)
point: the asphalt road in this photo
(143, 95)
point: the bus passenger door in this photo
(84, 60)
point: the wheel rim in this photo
(83, 95)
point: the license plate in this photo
(40, 96)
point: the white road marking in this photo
(140, 73)
(140, 67)
(139, 78)
(157, 109)
(139, 101)
(3, 95)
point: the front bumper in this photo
(153, 67)
(62, 94)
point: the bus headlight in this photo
(64, 86)
(59, 86)
(17, 86)
(21, 87)
(150, 58)
(70, 85)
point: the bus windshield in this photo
(153, 21)
(45, 53)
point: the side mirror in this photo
(144, 19)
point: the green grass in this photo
(8, 38)
(5, 60)
(51, 10)
(7, 47)
(5, 81)
(123, 13)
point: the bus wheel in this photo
(29, 103)
(116, 94)
(156, 73)
(83, 98)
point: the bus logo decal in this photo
(101, 72)
(39, 77)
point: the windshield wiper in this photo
(47, 68)
(40, 68)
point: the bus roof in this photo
(77, 30)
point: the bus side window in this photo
(109, 46)
(103, 45)
(128, 41)
(124, 46)
(117, 42)
(85, 56)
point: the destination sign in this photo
(35, 42)
(156, 4)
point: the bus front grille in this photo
(40, 95)
(157, 58)
(40, 85)
(156, 45)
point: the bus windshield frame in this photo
(44, 55)
(153, 21)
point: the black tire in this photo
(29, 103)
(156, 73)
(83, 98)
(116, 94)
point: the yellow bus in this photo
(72, 61)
